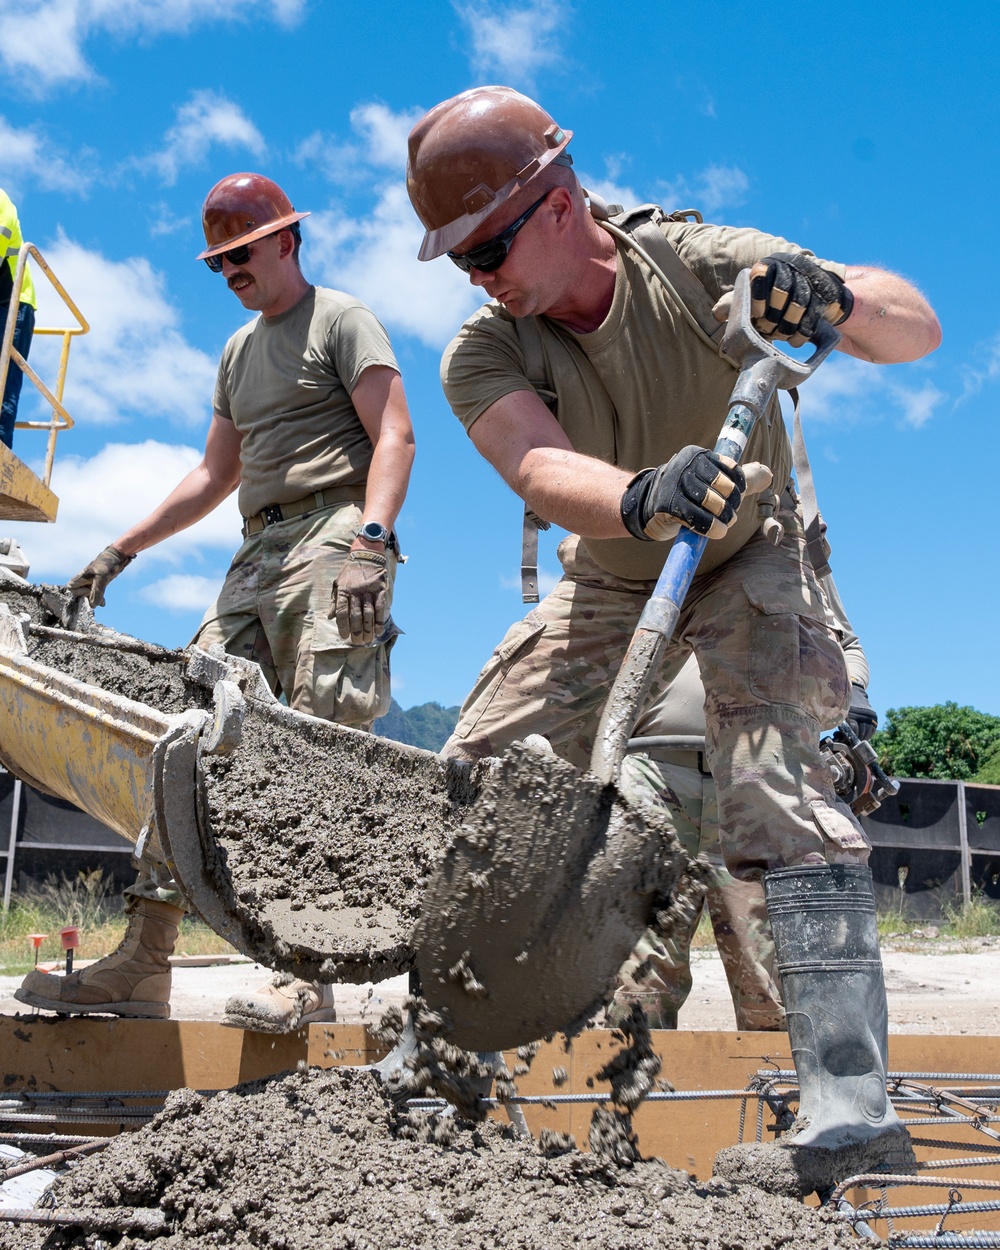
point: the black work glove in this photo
(790, 294)
(861, 715)
(90, 583)
(359, 597)
(695, 488)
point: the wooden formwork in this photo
(48, 1054)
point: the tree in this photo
(943, 741)
(989, 767)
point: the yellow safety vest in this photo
(10, 247)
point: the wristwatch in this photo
(374, 532)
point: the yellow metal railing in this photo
(60, 419)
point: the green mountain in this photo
(427, 725)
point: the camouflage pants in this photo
(273, 609)
(658, 972)
(774, 677)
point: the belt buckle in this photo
(272, 514)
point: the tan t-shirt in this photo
(637, 389)
(286, 383)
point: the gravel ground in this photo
(943, 987)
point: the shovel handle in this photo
(764, 368)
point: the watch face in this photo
(374, 532)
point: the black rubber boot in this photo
(826, 938)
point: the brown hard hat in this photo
(241, 208)
(470, 154)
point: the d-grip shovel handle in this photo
(764, 368)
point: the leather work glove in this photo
(695, 488)
(790, 294)
(861, 716)
(92, 581)
(359, 596)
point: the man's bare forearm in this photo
(891, 321)
(579, 493)
(193, 498)
(388, 477)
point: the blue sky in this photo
(858, 130)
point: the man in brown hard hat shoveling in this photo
(592, 381)
(310, 423)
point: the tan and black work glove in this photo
(92, 581)
(359, 596)
(790, 294)
(695, 488)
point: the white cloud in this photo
(101, 497)
(26, 155)
(709, 190)
(207, 119)
(374, 256)
(385, 132)
(43, 43)
(372, 252)
(918, 404)
(848, 390)
(380, 144)
(342, 163)
(513, 42)
(135, 360)
(985, 370)
(182, 592)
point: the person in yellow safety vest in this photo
(10, 247)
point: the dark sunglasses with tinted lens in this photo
(235, 256)
(491, 255)
(240, 255)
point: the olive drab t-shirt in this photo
(286, 383)
(637, 389)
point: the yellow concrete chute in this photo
(24, 496)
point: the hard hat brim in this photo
(251, 236)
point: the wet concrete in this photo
(539, 901)
(797, 1171)
(327, 1159)
(326, 837)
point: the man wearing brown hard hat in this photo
(594, 384)
(310, 423)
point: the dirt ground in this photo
(933, 986)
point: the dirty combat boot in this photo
(133, 980)
(831, 973)
(283, 1005)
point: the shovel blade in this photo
(543, 894)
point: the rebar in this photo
(54, 1160)
(944, 1241)
(147, 1221)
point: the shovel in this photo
(555, 873)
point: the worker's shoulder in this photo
(491, 323)
(720, 249)
(331, 303)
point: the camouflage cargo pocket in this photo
(517, 642)
(348, 684)
(794, 658)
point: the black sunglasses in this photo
(240, 255)
(491, 255)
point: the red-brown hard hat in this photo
(241, 208)
(470, 154)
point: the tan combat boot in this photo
(281, 1006)
(133, 980)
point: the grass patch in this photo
(90, 902)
